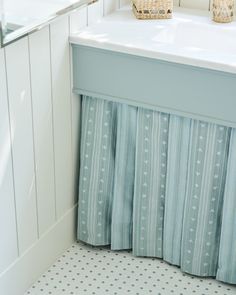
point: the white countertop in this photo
(186, 38)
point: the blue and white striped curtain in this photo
(160, 184)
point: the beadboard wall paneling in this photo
(39, 47)
(19, 96)
(195, 4)
(124, 2)
(78, 19)
(8, 232)
(26, 270)
(62, 112)
(95, 12)
(39, 142)
(176, 2)
(109, 6)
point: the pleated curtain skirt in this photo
(160, 184)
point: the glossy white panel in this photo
(196, 4)
(8, 233)
(18, 74)
(110, 6)
(124, 2)
(176, 2)
(39, 44)
(61, 89)
(95, 12)
(78, 19)
(26, 270)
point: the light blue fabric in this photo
(150, 180)
(122, 215)
(208, 148)
(97, 171)
(227, 256)
(177, 164)
(159, 184)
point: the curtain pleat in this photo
(227, 254)
(97, 162)
(150, 179)
(178, 146)
(122, 214)
(160, 184)
(207, 161)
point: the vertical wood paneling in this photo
(176, 2)
(78, 19)
(60, 58)
(39, 44)
(8, 232)
(109, 6)
(198, 4)
(41, 142)
(124, 2)
(95, 12)
(17, 58)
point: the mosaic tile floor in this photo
(85, 270)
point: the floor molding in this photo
(19, 276)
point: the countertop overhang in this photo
(187, 38)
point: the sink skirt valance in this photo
(159, 184)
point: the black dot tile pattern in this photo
(87, 270)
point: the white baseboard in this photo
(19, 276)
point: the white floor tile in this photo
(86, 270)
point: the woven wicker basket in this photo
(152, 9)
(223, 11)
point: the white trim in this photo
(16, 279)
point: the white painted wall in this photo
(196, 4)
(192, 4)
(39, 140)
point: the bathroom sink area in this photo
(160, 64)
(187, 38)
